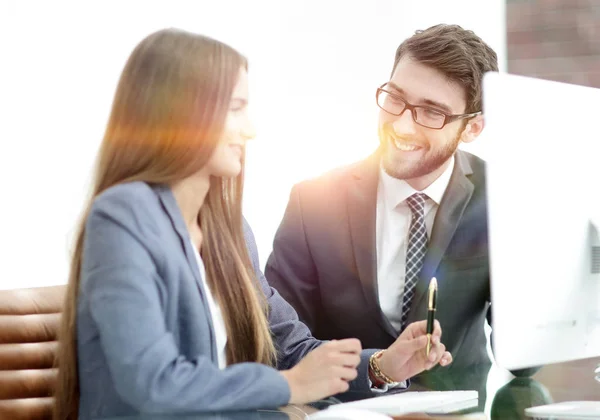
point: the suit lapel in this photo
(448, 216)
(172, 210)
(362, 211)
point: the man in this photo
(358, 246)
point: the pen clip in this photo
(432, 294)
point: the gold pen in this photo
(431, 311)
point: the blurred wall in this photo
(555, 40)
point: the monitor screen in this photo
(543, 189)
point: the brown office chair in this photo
(29, 320)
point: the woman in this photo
(166, 308)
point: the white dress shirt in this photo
(392, 228)
(215, 313)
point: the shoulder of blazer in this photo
(132, 204)
(476, 165)
(135, 207)
(132, 191)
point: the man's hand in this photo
(407, 357)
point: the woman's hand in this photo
(325, 371)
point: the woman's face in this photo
(226, 160)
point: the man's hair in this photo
(458, 53)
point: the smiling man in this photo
(358, 246)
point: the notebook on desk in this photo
(433, 402)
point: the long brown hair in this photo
(166, 120)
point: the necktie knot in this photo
(416, 203)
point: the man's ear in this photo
(473, 129)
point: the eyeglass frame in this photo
(448, 118)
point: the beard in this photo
(432, 159)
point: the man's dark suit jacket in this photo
(324, 259)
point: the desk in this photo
(571, 381)
(553, 383)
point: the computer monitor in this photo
(543, 188)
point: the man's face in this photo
(410, 150)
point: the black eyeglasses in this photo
(427, 117)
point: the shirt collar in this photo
(396, 190)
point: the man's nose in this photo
(404, 123)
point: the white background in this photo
(314, 67)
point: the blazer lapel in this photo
(448, 216)
(362, 210)
(172, 210)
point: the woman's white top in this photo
(215, 313)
